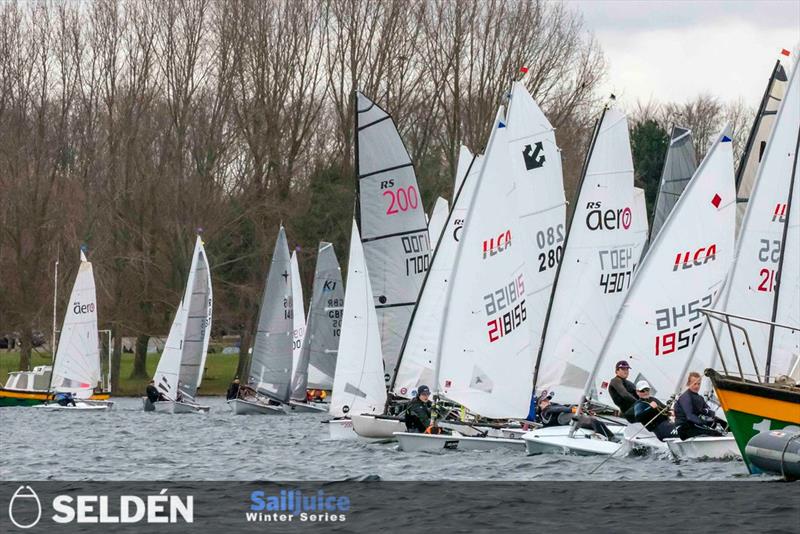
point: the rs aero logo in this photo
(78, 308)
(599, 219)
(496, 245)
(23, 502)
(701, 256)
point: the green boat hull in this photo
(744, 426)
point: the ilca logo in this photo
(27, 506)
(534, 156)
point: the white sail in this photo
(421, 348)
(757, 142)
(600, 259)
(298, 314)
(392, 224)
(640, 226)
(786, 343)
(465, 158)
(536, 163)
(679, 166)
(438, 219)
(358, 386)
(317, 363)
(183, 359)
(271, 365)
(486, 361)
(77, 364)
(750, 289)
(683, 272)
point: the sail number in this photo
(509, 297)
(417, 247)
(402, 200)
(620, 260)
(335, 315)
(545, 239)
(668, 318)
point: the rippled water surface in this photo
(129, 444)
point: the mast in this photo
(356, 171)
(780, 260)
(55, 302)
(566, 241)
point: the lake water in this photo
(129, 444)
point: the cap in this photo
(623, 364)
(423, 390)
(642, 385)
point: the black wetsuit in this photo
(693, 417)
(233, 391)
(152, 393)
(418, 415)
(623, 393)
(562, 415)
(657, 423)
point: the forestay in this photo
(321, 343)
(271, 365)
(77, 364)
(601, 254)
(486, 360)
(683, 272)
(438, 219)
(750, 289)
(679, 166)
(298, 314)
(757, 142)
(535, 160)
(392, 224)
(421, 347)
(358, 385)
(184, 356)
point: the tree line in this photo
(131, 125)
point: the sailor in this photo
(65, 399)
(622, 390)
(553, 414)
(693, 416)
(418, 411)
(233, 389)
(152, 393)
(652, 413)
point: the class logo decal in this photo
(689, 259)
(494, 246)
(533, 156)
(609, 219)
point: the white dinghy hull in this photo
(637, 439)
(173, 407)
(306, 407)
(556, 440)
(415, 442)
(245, 407)
(341, 429)
(82, 406)
(705, 447)
(369, 426)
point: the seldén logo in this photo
(289, 505)
(25, 508)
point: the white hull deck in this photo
(306, 407)
(341, 429)
(371, 427)
(80, 406)
(705, 448)
(556, 440)
(415, 442)
(173, 407)
(246, 407)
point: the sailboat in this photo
(180, 369)
(269, 374)
(358, 385)
(76, 369)
(679, 166)
(759, 135)
(658, 322)
(317, 362)
(391, 222)
(437, 220)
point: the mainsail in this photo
(358, 386)
(536, 164)
(757, 142)
(465, 158)
(601, 255)
(271, 365)
(486, 359)
(679, 166)
(421, 347)
(298, 314)
(184, 356)
(317, 363)
(392, 224)
(438, 220)
(77, 364)
(683, 272)
(751, 287)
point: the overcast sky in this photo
(672, 50)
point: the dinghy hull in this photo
(341, 429)
(556, 440)
(244, 407)
(369, 426)
(17, 397)
(173, 407)
(306, 407)
(705, 448)
(80, 406)
(415, 442)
